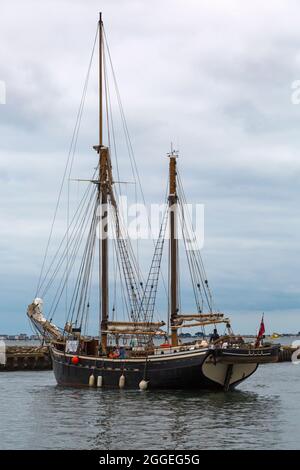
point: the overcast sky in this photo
(215, 77)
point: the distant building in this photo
(23, 336)
(34, 337)
(19, 337)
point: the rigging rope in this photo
(70, 156)
(131, 154)
(198, 274)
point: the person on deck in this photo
(122, 354)
(214, 336)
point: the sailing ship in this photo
(139, 352)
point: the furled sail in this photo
(45, 327)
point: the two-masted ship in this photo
(139, 352)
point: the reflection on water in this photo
(262, 413)
(183, 420)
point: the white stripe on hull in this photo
(155, 358)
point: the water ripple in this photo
(262, 414)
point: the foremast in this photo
(173, 247)
(103, 201)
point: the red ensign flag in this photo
(261, 332)
(262, 328)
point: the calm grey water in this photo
(263, 413)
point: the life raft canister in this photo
(114, 355)
(165, 345)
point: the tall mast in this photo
(102, 194)
(173, 246)
(100, 81)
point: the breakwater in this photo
(26, 358)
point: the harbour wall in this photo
(26, 358)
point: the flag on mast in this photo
(261, 331)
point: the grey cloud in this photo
(212, 77)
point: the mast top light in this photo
(173, 153)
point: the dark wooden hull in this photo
(196, 369)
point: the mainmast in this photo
(173, 246)
(103, 199)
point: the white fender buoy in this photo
(99, 381)
(122, 381)
(92, 380)
(143, 385)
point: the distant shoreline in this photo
(185, 336)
